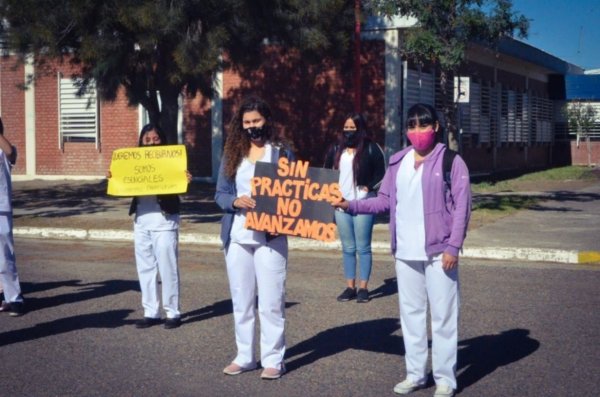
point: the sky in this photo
(567, 29)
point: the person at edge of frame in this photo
(12, 301)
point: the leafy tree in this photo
(583, 117)
(444, 31)
(161, 48)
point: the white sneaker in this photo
(406, 386)
(443, 391)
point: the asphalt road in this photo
(525, 330)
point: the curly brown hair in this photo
(237, 143)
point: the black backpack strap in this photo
(449, 156)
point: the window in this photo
(485, 122)
(541, 117)
(78, 121)
(419, 88)
(144, 117)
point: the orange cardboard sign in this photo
(294, 199)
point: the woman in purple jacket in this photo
(428, 225)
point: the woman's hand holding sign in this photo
(244, 203)
(340, 204)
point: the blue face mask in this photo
(256, 133)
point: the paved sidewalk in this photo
(563, 228)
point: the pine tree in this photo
(161, 48)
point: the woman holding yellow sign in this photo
(156, 234)
(254, 259)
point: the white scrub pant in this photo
(156, 252)
(265, 267)
(9, 278)
(418, 283)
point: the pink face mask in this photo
(422, 140)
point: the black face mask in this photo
(350, 138)
(257, 133)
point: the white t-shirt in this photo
(410, 218)
(149, 216)
(5, 183)
(349, 189)
(245, 172)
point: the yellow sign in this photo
(148, 170)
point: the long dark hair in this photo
(362, 141)
(151, 127)
(237, 143)
(423, 115)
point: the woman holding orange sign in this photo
(254, 259)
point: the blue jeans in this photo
(355, 234)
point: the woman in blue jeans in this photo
(361, 164)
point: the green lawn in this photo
(495, 200)
(560, 174)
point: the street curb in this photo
(522, 254)
(300, 244)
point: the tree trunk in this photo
(449, 112)
(150, 104)
(168, 114)
(589, 149)
(165, 115)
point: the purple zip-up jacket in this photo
(446, 213)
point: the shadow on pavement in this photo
(504, 200)
(29, 288)
(109, 319)
(477, 357)
(374, 335)
(220, 308)
(389, 287)
(81, 292)
(76, 198)
(566, 195)
(67, 199)
(480, 356)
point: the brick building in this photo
(507, 123)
